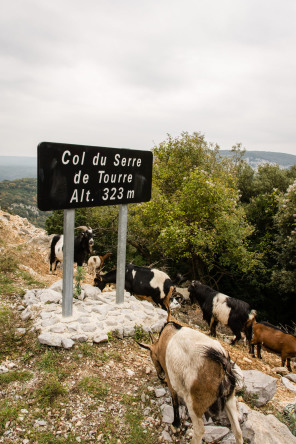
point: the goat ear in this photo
(141, 344)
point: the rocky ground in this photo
(91, 393)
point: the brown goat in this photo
(196, 369)
(273, 340)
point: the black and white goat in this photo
(218, 307)
(196, 369)
(142, 282)
(83, 244)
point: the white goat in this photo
(197, 370)
(95, 263)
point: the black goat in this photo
(218, 307)
(83, 244)
(144, 283)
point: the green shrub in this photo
(288, 417)
(49, 391)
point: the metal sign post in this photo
(121, 254)
(68, 261)
(78, 176)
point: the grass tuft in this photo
(49, 391)
(12, 376)
(93, 386)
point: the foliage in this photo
(141, 334)
(8, 412)
(50, 390)
(194, 216)
(7, 331)
(79, 276)
(284, 277)
(260, 212)
(288, 417)
(12, 376)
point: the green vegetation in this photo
(20, 197)
(8, 412)
(93, 386)
(288, 417)
(49, 391)
(7, 331)
(12, 376)
(79, 276)
(141, 334)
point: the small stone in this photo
(26, 315)
(291, 377)
(19, 332)
(40, 422)
(11, 365)
(50, 339)
(101, 338)
(166, 436)
(167, 413)
(289, 385)
(67, 343)
(159, 392)
(283, 371)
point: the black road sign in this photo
(76, 176)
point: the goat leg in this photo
(213, 326)
(176, 422)
(259, 351)
(288, 363)
(237, 337)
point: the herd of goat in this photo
(195, 367)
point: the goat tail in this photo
(228, 383)
(53, 243)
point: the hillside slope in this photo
(68, 390)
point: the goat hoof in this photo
(174, 429)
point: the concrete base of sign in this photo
(95, 316)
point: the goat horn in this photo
(82, 227)
(151, 337)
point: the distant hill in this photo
(17, 167)
(256, 158)
(20, 197)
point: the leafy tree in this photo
(194, 216)
(260, 212)
(285, 275)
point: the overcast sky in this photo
(125, 73)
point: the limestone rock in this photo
(283, 371)
(50, 339)
(214, 433)
(259, 386)
(167, 413)
(289, 385)
(291, 377)
(266, 429)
